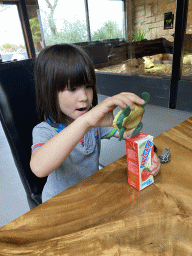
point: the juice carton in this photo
(140, 151)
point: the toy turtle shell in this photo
(127, 119)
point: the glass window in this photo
(12, 44)
(106, 19)
(187, 58)
(63, 21)
(148, 49)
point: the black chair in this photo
(18, 117)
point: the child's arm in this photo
(51, 155)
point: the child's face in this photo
(75, 103)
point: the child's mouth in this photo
(82, 110)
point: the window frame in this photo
(23, 16)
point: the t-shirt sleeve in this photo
(41, 134)
(105, 131)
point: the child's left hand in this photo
(155, 167)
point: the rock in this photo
(140, 61)
(141, 67)
(159, 56)
(167, 62)
(156, 59)
(123, 68)
(167, 56)
(169, 37)
(187, 59)
(148, 63)
(132, 63)
(157, 62)
(162, 56)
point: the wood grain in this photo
(103, 215)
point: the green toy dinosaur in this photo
(127, 119)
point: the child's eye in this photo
(72, 89)
(89, 86)
(76, 88)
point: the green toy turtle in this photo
(127, 119)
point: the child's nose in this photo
(83, 93)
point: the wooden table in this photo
(103, 215)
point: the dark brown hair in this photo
(58, 67)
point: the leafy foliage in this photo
(70, 33)
(35, 29)
(139, 35)
(109, 30)
(74, 32)
(12, 47)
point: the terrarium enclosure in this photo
(148, 49)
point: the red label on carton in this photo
(140, 151)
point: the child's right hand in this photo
(102, 114)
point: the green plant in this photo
(22, 46)
(12, 47)
(35, 29)
(168, 21)
(139, 35)
(7, 46)
(70, 33)
(109, 30)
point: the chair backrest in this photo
(18, 117)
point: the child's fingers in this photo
(155, 167)
(154, 170)
(119, 101)
(99, 112)
(128, 133)
(126, 99)
(155, 158)
(134, 98)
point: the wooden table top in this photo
(103, 215)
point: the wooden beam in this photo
(26, 28)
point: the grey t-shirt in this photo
(81, 162)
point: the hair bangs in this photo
(75, 70)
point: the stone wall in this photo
(148, 15)
(189, 18)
